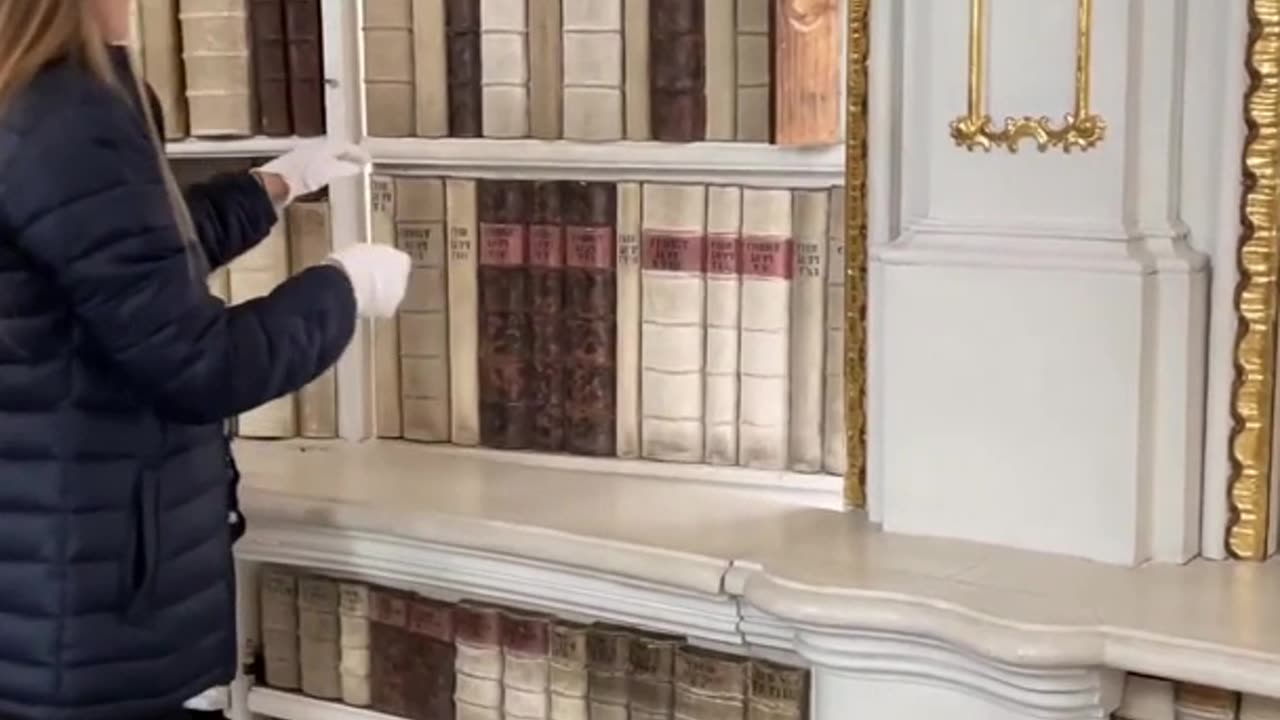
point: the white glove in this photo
(316, 163)
(379, 275)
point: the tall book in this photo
(505, 297)
(135, 37)
(651, 695)
(546, 321)
(807, 65)
(424, 320)
(777, 692)
(390, 651)
(720, 62)
(306, 66)
(608, 665)
(767, 264)
(590, 366)
(709, 684)
(430, 69)
(462, 37)
(318, 642)
(270, 67)
(635, 44)
(673, 313)
(387, 413)
(431, 630)
(215, 43)
(255, 274)
(388, 68)
(678, 103)
(479, 663)
(526, 667)
(354, 640)
(162, 62)
(755, 59)
(724, 283)
(593, 70)
(546, 70)
(568, 671)
(309, 244)
(834, 456)
(278, 599)
(504, 68)
(464, 303)
(808, 328)
(628, 320)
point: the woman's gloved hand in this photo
(379, 275)
(311, 166)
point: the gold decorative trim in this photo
(855, 279)
(1253, 392)
(1080, 129)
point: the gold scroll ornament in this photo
(855, 280)
(1080, 129)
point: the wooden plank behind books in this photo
(807, 72)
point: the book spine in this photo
(388, 68)
(709, 685)
(386, 331)
(505, 297)
(504, 68)
(755, 84)
(430, 695)
(137, 51)
(767, 263)
(808, 328)
(628, 320)
(591, 319)
(462, 31)
(546, 322)
(568, 672)
(464, 379)
(724, 281)
(777, 692)
(546, 70)
(354, 640)
(673, 312)
(430, 69)
(270, 67)
(319, 648)
(255, 274)
(215, 37)
(720, 61)
(162, 62)
(309, 243)
(608, 660)
(424, 318)
(479, 663)
(678, 102)
(390, 648)
(526, 670)
(635, 29)
(834, 456)
(306, 66)
(278, 590)
(651, 694)
(807, 66)
(593, 70)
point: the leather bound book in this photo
(478, 665)
(278, 592)
(710, 685)
(678, 103)
(777, 692)
(627, 309)
(215, 44)
(808, 328)
(504, 65)
(354, 639)
(390, 650)
(526, 649)
(593, 72)
(252, 275)
(462, 36)
(590, 318)
(310, 244)
(162, 62)
(388, 68)
(270, 67)
(320, 651)
(754, 75)
(834, 457)
(430, 695)
(430, 68)
(568, 676)
(651, 693)
(608, 666)
(724, 285)
(387, 415)
(306, 66)
(464, 390)
(546, 323)
(807, 64)
(505, 299)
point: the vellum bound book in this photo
(215, 37)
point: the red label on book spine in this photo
(591, 247)
(768, 257)
(674, 252)
(502, 244)
(387, 609)
(723, 255)
(546, 246)
(434, 620)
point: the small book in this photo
(651, 692)
(777, 692)
(526, 650)
(390, 650)
(354, 639)
(318, 637)
(709, 685)
(431, 629)
(568, 671)
(479, 662)
(278, 589)
(608, 667)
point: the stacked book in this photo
(233, 68)
(426, 659)
(684, 323)
(605, 70)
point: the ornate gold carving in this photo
(1080, 129)
(855, 279)
(1252, 395)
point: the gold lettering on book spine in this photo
(855, 281)
(1252, 395)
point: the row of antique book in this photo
(604, 70)
(416, 657)
(232, 68)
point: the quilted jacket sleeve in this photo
(232, 213)
(82, 196)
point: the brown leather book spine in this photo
(546, 277)
(777, 692)
(806, 63)
(270, 67)
(462, 33)
(505, 299)
(677, 70)
(306, 66)
(430, 695)
(390, 649)
(590, 318)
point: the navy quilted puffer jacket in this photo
(117, 370)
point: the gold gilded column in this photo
(855, 282)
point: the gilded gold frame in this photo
(1253, 392)
(1080, 129)
(855, 336)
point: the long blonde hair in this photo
(34, 33)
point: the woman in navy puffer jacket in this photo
(118, 369)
